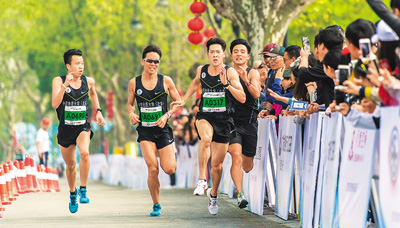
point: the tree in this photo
(261, 21)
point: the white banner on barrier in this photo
(187, 170)
(285, 165)
(271, 152)
(389, 186)
(355, 175)
(331, 150)
(98, 166)
(311, 154)
(254, 183)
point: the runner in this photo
(214, 124)
(151, 90)
(243, 146)
(70, 95)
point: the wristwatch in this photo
(99, 109)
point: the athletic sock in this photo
(83, 187)
(73, 193)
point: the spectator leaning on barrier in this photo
(271, 72)
(329, 39)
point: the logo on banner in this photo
(394, 155)
(358, 142)
(287, 143)
(258, 153)
(331, 150)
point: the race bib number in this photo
(75, 115)
(214, 102)
(149, 116)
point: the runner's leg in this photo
(206, 133)
(149, 150)
(83, 142)
(219, 151)
(167, 159)
(68, 154)
(236, 169)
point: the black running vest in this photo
(73, 110)
(152, 104)
(216, 102)
(247, 112)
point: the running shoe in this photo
(201, 187)
(242, 201)
(73, 204)
(82, 196)
(156, 210)
(212, 203)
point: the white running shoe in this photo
(212, 203)
(201, 187)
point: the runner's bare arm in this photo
(131, 102)
(254, 86)
(95, 101)
(173, 92)
(235, 87)
(194, 85)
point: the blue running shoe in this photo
(82, 196)
(156, 210)
(73, 204)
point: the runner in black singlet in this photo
(243, 146)
(155, 135)
(70, 95)
(220, 85)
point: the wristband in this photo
(227, 87)
(248, 84)
(65, 87)
(290, 101)
(169, 115)
(99, 109)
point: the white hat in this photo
(384, 33)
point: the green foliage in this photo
(323, 13)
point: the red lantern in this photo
(209, 32)
(198, 8)
(196, 24)
(195, 38)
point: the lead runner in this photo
(220, 86)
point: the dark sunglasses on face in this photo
(261, 66)
(152, 61)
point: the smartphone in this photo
(306, 43)
(365, 47)
(343, 73)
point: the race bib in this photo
(75, 115)
(214, 102)
(149, 116)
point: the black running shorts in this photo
(67, 135)
(246, 135)
(224, 131)
(162, 137)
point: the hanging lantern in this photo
(198, 8)
(196, 24)
(195, 38)
(209, 32)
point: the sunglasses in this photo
(273, 58)
(152, 61)
(261, 66)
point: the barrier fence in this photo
(20, 177)
(329, 171)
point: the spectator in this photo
(43, 142)
(291, 54)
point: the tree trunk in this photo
(261, 21)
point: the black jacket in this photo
(316, 74)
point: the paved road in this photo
(115, 206)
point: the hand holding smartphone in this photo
(365, 47)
